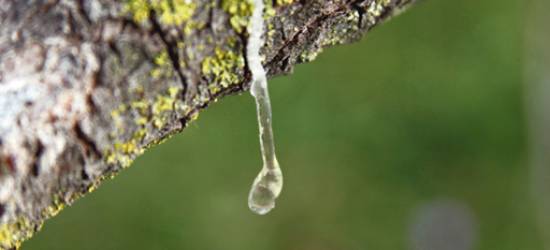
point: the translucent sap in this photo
(269, 182)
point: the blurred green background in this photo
(422, 118)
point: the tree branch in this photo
(86, 86)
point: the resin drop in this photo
(269, 182)
(265, 190)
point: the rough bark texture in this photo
(88, 85)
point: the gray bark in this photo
(88, 85)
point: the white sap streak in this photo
(269, 182)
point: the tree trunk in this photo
(88, 85)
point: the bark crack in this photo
(35, 166)
(88, 144)
(170, 47)
(310, 25)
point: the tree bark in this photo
(88, 85)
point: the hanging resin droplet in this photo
(269, 182)
(266, 188)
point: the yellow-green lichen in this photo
(239, 12)
(142, 108)
(156, 113)
(13, 233)
(117, 157)
(141, 121)
(174, 12)
(310, 55)
(139, 9)
(115, 115)
(57, 205)
(375, 10)
(163, 104)
(348, 25)
(123, 152)
(221, 68)
(284, 2)
(170, 12)
(163, 67)
(268, 14)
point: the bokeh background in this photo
(413, 138)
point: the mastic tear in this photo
(269, 182)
